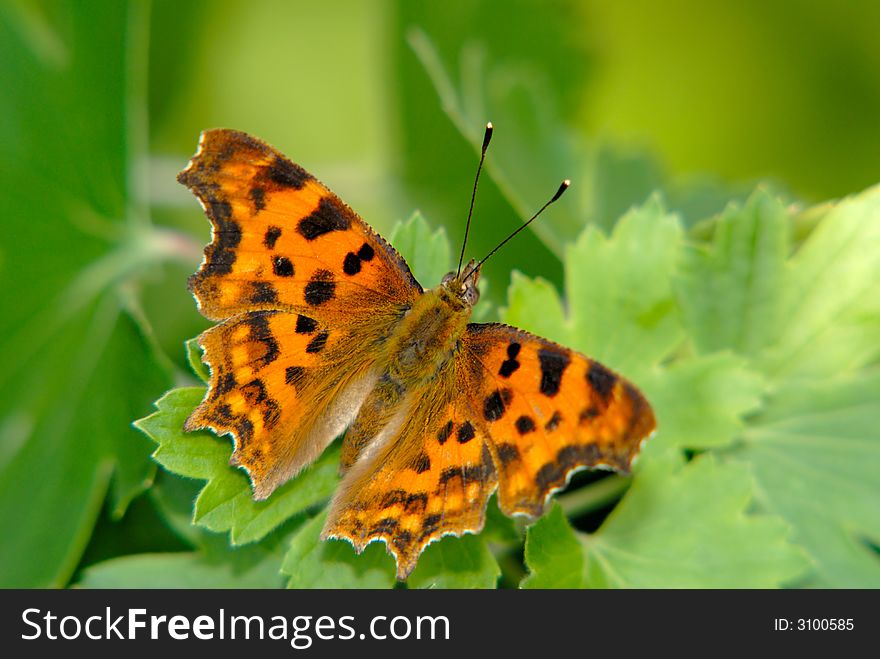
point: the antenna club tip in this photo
(487, 136)
(562, 188)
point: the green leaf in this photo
(677, 527)
(194, 359)
(226, 502)
(731, 289)
(831, 305)
(311, 563)
(464, 562)
(622, 310)
(182, 570)
(79, 359)
(73, 434)
(702, 402)
(426, 252)
(815, 453)
(554, 554)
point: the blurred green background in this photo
(102, 103)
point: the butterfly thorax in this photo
(419, 350)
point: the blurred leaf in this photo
(226, 501)
(679, 527)
(181, 570)
(311, 563)
(79, 358)
(815, 453)
(830, 309)
(426, 252)
(464, 562)
(607, 180)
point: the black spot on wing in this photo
(601, 379)
(588, 414)
(402, 540)
(510, 365)
(285, 174)
(263, 292)
(351, 265)
(465, 432)
(328, 217)
(305, 325)
(282, 266)
(444, 432)
(553, 365)
(318, 343)
(271, 237)
(495, 404)
(321, 288)
(507, 453)
(366, 253)
(258, 196)
(244, 429)
(525, 424)
(553, 422)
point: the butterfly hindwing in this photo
(549, 410)
(430, 478)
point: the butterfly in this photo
(323, 330)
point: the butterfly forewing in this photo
(304, 288)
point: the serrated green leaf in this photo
(226, 502)
(621, 307)
(426, 252)
(815, 453)
(831, 298)
(464, 562)
(731, 289)
(677, 527)
(311, 563)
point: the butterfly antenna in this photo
(486, 138)
(562, 188)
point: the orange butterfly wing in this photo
(432, 476)
(548, 411)
(303, 286)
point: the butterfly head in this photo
(463, 286)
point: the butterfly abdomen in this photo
(418, 352)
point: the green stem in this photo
(593, 496)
